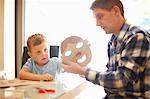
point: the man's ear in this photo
(116, 10)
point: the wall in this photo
(9, 38)
(1, 34)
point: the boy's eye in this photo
(45, 49)
(38, 52)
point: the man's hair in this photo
(72, 40)
(107, 5)
(34, 40)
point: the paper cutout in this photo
(77, 50)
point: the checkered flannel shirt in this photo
(128, 73)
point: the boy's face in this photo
(78, 52)
(40, 53)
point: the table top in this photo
(68, 85)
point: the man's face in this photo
(40, 53)
(107, 20)
(78, 52)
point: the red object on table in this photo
(50, 90)
(41, 91)
(46, 91)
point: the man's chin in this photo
(106, 32)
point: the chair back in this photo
(54, 51)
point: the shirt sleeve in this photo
(57, 61)
(131, 63)
(28, 65)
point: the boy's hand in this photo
(46, 77)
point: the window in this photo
(9, 38)
(58, 19)
(138, 12)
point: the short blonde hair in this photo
(35, 39)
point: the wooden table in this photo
(67, 87)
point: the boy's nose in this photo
(44, 53)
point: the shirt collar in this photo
(123, 31)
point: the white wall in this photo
(9, 38)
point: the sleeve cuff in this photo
(92, 76)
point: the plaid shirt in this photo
(128, 74)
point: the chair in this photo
(54, 52)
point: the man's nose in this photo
(98, 22)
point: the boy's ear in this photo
(29, 53)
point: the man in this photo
(128, 73)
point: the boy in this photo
(39, 66)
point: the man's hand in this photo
(72, 67)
